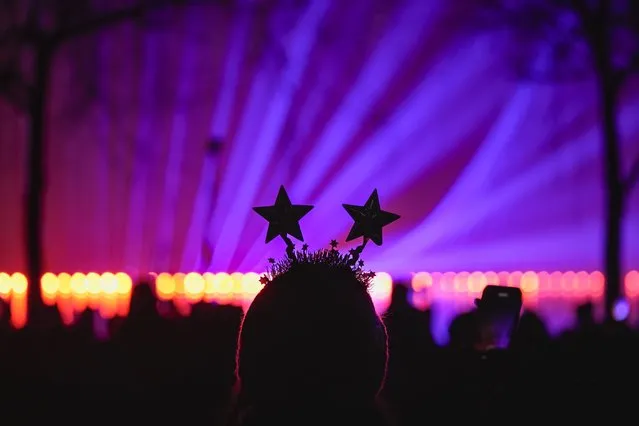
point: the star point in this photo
(369, 219)
(283, 217)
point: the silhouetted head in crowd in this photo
(531, 332)
(311, 346)
(83, 326)
(463, 331)
(585, 316)
(143, 300)
(399, 298)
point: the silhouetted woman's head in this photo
(312, 338)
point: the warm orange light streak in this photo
(64, 289)
(64, 299)
(94, 290)
(381, 290)
(108, 301)
(79, 293)
(123, 294)
(49, 286)
(5, 286)
(250, 287)
(223, 285)
(236, 289)
(164, 287)
(18, 303)
(209, 287)
(110, 293)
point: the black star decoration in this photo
(369, 220)
(283, 217)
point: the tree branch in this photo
(587, 19)
(633, 176)
(112, 18)
(15, 90)
(581, 8)
(21, 35)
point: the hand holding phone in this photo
(498, 313)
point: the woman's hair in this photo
(310, 338)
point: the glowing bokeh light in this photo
(5, 285)
(164, 286)
(94, 287)
(18, 303)
(109, 293)
(18, 284)
(194, 286)
(621, 310)
(49, 286)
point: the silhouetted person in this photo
(146, 346)
(411, 356)
(312, 350)
(407, 325)
(399, 298)
(477, 372)
(585, 317)
(143, 302)
(463, 331)
(532, 334)
(209, 340)
(83, 327)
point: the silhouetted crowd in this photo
(168, 368)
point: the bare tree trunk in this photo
(614, 197)
(614, 185)
(35, 185)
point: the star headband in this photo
(283, 220)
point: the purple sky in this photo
(332, 100)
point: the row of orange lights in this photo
(235, 287)
(542, 284)
(109, 293)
